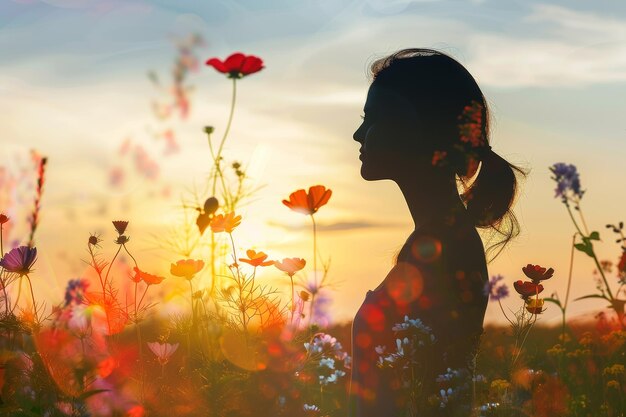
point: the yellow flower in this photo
(612, 384)
(616, 369)
(500, 385)
(555, 350)
(534, 305)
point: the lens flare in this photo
(404, 283)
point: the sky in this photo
(73, 86)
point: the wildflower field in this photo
(112, 346)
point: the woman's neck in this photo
(430, 200)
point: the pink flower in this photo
(19, 260)
(163, 351)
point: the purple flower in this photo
(494, 291)
(567, 180)
(75, 291)
(19, 260)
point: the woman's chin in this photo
(368, 175)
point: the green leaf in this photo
(555, 301)
(585, 247)
(594, 236)
(592, 296)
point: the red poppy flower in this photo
(309, 203)
(527, 289)
(3, 218)
(537, 273)
(237, 65)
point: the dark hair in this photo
(444, 92)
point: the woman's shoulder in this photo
(447, 240)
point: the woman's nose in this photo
(357, 135)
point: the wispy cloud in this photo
(574, 49)
(335, 226)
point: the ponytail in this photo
(490, 197)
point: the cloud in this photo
(575, 49)
(336, 226)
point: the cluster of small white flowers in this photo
(411, 323)
(328, 362)
(402, 357)
(445, 397)
(310, 407)
(323, 342)
(487, 407)
(449, 375)
(327, 351)
(332, 378)
(419, 335)
(479, 378)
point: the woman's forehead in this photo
(382, 98)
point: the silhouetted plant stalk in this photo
(3, 280)
(34, 219)
(555, 299)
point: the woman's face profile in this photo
(387, 134)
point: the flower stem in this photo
(507, 317)
(129, 254)
(106, 277)
(293, 307)
(19, 292)
(593, 255)
(582, 218)
(217, 157)
(32, 295)
(314, 266)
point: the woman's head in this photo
(426, 115)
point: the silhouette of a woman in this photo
(426, 128)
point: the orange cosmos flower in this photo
(290, 265)
(537, 273)
(256, 258)
(309, 203)
(147, 278)
(186, 268)
(225, 223)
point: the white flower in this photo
(80, 321)
(329, 362)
